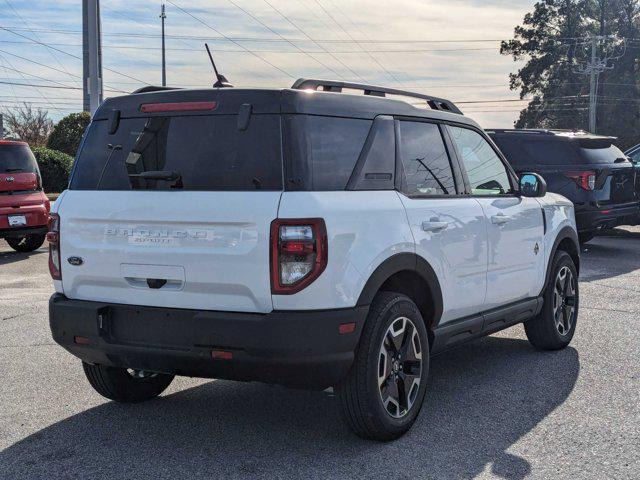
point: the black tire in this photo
(360, 393)
(585, 237)
(26, 244)
(543, 331)
(121, 386)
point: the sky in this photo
(446, 48)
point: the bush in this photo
(67, 133)
(55, 168)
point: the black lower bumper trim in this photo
(589, 220)
(22, 232)
(295, 348)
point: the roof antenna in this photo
(221, 81)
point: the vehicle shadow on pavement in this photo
(598, 256)
(10, 257)
(482, 398)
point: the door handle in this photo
(500, 219)
(434, 225)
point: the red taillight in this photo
(53, 237)
(177, 107)
(298, 253)
(585, 180)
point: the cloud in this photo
(272, 50)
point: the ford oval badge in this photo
(75, 261)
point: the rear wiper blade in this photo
(158, 175)
(9, 170)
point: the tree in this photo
(29, 125)
(67, 133)
(553, 40)
(55, 168)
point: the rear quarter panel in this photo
(363, 228)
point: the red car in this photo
(24, 208)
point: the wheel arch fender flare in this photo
(566, 233)
(399, 263)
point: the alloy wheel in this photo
(564, 300)
(400, 367)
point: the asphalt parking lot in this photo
(495, 408)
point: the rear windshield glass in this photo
(182, 153)
(536, 151)
(602, 155)
(17, 159)
(553, 151)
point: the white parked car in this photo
(307, 237)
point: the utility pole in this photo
(164, 64)
(91, 55)
(596, 65)
(593, 89)
(1, 127)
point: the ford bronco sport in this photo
(307, 237)
(24, 208)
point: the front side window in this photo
(486, 172)
(427, 170)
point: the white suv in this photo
(306, 237)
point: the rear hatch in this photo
(171, 201)
(584, 168)
(615, 174)
(18, 169)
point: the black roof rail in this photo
(153, 88)
(538, 131)
(434, 103)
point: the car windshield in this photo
(17, 159)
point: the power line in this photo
(248, 13)
(316, 43)
(300, 51)
(264, 39)
(53, 55)
(230, 39)
(22, 75)
(71, 55)
(392, 76)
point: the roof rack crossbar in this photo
(434, 103)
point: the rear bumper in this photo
(295, 348)
(34, 207)
(606, 216)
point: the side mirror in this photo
(532, 185)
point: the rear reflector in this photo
(222, 354)
(346, 328)
(177, 107)
(81, 340)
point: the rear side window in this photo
(206, 152)
(323, 151)
(426, 165)
(17, 159)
